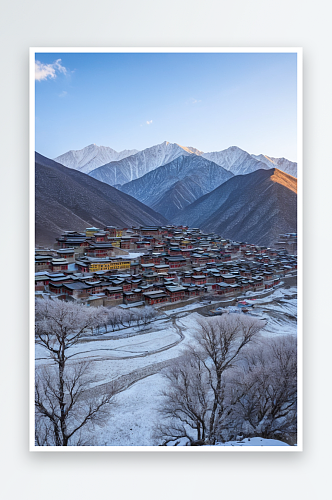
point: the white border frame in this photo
(176, 449)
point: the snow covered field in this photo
(133, 419)
(138, 359)
(257, 441)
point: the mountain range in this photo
(117, 169)
(66, 199)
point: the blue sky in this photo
(133, 101)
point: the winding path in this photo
(125, 381)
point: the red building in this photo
(174, 251)
(42, 262)
(186, 279)
(135, 295)
(228, 278)
(176, 262)
(102, 249)
(142, 244)
(226, 289)
(246, 273)
(148, 267)
(72, 239)
(176, 293)
(150, 231)
(198, 279)
(125, 243)
(76, 290)
(100, 237)
(193, 291)
(114, 292)
(66, 253)
(199, 259)
(59, 265)
(41, 282)
(126, 286)
(156, 297)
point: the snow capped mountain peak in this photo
(174, 145)
(191, 150)
(91, 157)
(236, 160)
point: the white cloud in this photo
(149, 122)
(63, 93)
(44, 71)
(194, 101)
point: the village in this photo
(158, 266)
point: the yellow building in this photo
(105, 266)
(115, 242)
(114, 231)
(90, 231)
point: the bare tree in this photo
(103, 317)
(148, 314)
(219, 342)
(114, 317)
(265, 391)
(186, 403)
(130, 316)
(63, 402)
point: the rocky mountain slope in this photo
(256, 208)
(135, 166)
(69, 200)
(173, 186)
(91, 157)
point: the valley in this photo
(155, 243)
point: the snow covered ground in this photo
(133, 419)
(141, 356)
(132, 255)
(256, 441)
(280, 309)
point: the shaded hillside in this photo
(255, 208)
(69, 200)
(179, 196)
(171, 187)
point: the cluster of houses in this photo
(287, 241)
(154, 265)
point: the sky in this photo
(209, 101)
